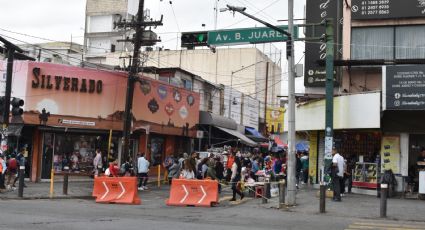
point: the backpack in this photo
(13, 164)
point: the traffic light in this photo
(2, 102)
(17, 111)
(192, 39)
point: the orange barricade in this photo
(203, 193)
(122, 190)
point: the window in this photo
(410, 42)
(164, 79)
(187, 84)
(393, 42)
(372, 43)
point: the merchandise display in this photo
(365, 175)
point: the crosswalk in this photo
(385, 226)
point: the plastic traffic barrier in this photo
(200, 193)
(120, 190)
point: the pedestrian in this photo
(142, 171)
(229, 163)
(211, 172)
(219, 170)
(21, 162)
(12, 170)
(202, 168)
(193, 161)
(114, 170)
(298, 168)
(3, 169)
(97, 162)
(337, 173)
(173, 170)
(188, 171)
(235, 179)
(304, 167)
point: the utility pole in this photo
(329, 93)
(139, 26)
(291, 187)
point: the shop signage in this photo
(316, 12)
(390, 154)
(72, 84)
(199, 134)
(386, 9)
(75, 122)
(403, 87)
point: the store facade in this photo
(86, 111)
(357, 132)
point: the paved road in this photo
(154, 214)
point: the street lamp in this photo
(231, 84)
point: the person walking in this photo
(21, 162)
(97, 162)
(304, 167)
(337, 173)
(12, 170)
(142, 171)
(235, 179)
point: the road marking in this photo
(384, 226)
(203, 197)
(185, 196)
(107, 190)
(123, 190)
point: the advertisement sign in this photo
(251, 110)
(386, 9)
(390, 154)
(403, 87)
(92, 93)
(234, 104)
(274, 119)
(316, 12)
(312, 158)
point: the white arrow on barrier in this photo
(203, 197)
(107, 190)
(123, 190)
(185, 196)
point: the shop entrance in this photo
(416, 143)
(75, 151)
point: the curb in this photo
(48, 198)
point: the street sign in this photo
(384, 9)
(403, 87)
(199, 134)
(248, 36)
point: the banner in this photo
(312, 164)
(390, 154)
(274, 119)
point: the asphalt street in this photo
(67, 214)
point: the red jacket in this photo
(114, 169)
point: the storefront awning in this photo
(206, 118)
(255, 135)
(243, 139)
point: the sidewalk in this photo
(356, 206)
(78, 188)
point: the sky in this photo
(64, 20)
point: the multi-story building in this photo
(55, 52)
(246, 70)
(101, 36)
(378, 105)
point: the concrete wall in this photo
(105, 7)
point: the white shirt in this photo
(142, 165)
(339, 160)
(186, 174)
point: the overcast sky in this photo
(64, 19)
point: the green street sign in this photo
(248, 36)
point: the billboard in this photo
(403, 87)
(387, 9)
(316, 12)
(274, 119)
